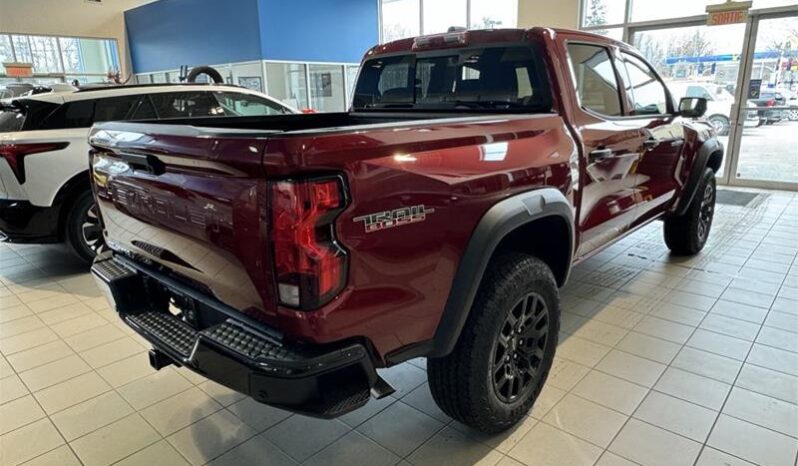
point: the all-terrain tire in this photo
(687, 234)
(82, 228)
(463, 383)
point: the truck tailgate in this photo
(192, 202)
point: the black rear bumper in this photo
(22, 222)
(319, 380)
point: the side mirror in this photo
(692, 107)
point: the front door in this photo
(650, 110)
(611, 148)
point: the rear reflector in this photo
(15, 154)
(310, 265)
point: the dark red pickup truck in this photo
(288, 257)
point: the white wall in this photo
(70, 18)
(550, 13)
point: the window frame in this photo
(625, 104)
(572, 70)
(670, 107)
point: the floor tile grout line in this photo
(737, 376)
(703, 444)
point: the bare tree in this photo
(596, 14)
(694, 44)
(653, 51)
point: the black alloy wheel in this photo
(519, 348)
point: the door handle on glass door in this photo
(599, 154)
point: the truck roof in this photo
(479, 36)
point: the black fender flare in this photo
(501, 219)
(708, 147)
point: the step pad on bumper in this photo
(172, 331)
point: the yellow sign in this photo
(727, 13)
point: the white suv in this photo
(44, 180)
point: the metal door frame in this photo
(743, 81)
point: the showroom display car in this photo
(45, 195)
(289, 257)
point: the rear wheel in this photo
(504, 353)
(687, 234)
(83, 230)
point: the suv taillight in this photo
(310, 265)
(15, 154)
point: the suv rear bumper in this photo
(319, 380)
(22, 222)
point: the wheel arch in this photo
(515, 224)
(710, 155)
(70, 190)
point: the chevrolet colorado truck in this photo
(288, 257)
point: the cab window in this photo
(596, 83)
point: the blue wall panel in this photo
(169, 33)
(318, 30)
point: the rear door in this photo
(611, 147)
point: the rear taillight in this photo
(310, 265)
(771, 103)
(15, 154)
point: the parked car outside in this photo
(44, 182)
(719, 103)
(766, 101)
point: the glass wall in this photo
(318, 87)
(60, 58)
(756, 115)
(408, 18)
(288, 83)
(327, 88)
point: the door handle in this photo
(599, 154)
(650, 143)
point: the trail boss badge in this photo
(394, 218)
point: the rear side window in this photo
(643, 89)
(115, 108)
(145, 110)
(185, 105)
(77, 114)
(11, 120)
(596, 83)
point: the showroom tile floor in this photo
(662, 361)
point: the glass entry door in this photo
(698, 61)
(764, 146)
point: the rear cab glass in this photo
(505, 77)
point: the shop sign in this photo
(727, 13)
(18, 70)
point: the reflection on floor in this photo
(662, 361)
